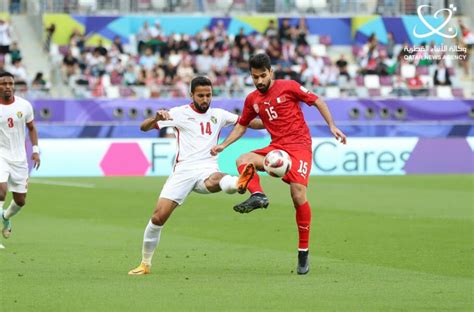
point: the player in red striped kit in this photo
(276, 102)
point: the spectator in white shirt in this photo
(148, 60)
(5, 37)
(204, 62)
(19, 71)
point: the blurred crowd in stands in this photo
(155, 65)
(11, 60)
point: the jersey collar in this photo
(9, 103)
(194, 109)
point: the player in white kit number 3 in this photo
(197, 127)
(16, 114)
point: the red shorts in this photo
(301, 161)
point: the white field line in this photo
(63, 183)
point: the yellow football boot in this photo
(142, 269)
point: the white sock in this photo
(229, 184)
(11, 210)
(151, 238)
(1, 206)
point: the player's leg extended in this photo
(152, 234)
(256, 159)
(18, 201)
(258, 198)
(219, 181)
(3, 194)
(303, 221)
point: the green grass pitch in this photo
(377, 244)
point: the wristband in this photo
(36, 149)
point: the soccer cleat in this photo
(255, 201)
(303, 262)
(142, 269)
(245, 177)
(1, 246)
(7, 227)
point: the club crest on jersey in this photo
(19, 114)
(281, 99)
(255, 108)
(213, 119)
(304, 89)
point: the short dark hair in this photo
(6, 74)
(260, 61)
(200, 81)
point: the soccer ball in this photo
(277, 163)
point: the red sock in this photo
(254, 184)
(303, 220)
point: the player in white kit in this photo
(197, 127)
(16, 115)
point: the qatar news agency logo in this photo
(435, 52)
(451, 32)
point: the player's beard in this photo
(265, 87)
(8, 95)
(199, 108)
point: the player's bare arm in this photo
(149, 123)
(324, 111)
(256, 124)
(34, 141)
(236, 133)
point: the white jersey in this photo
(197, 133)
(13, 119)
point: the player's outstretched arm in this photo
(256, 124)
(34, 141)
(234, 135)
(149, 123)
(324, 111)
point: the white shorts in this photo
(182, 182)
(15, 174)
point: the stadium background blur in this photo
(94, 69)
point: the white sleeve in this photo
(29, 113)
(169, 123)
(228, 118)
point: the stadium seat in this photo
(106, 82)
(356, 50)
(116, 78)
(143, 4)
(63, 49)
(159, 5)
(386, 80)
(372, 81)
(427, 80)
(333, 92)
(444, 92)
(386, 91)
(326, 60)
(359, 81)
(362, 93)
(112, 92)
(422, 70)
(319, 49)
(374, 92)
(458, 92)
(310, 5)
(408, 71)
(326, 40)
(126, 92)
